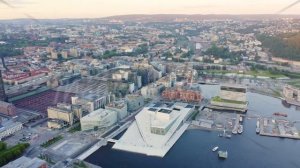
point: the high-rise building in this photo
(3, 96)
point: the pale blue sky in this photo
(100, 8)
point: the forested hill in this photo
(285, 46)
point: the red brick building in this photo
(182, 95)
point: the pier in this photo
(236, 124)
(278, 128)
(104, 141)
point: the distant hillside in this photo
(154, 18)
(195, 17)
(285, 46)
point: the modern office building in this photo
(155, 129)
(134, 102)
(99, 119)
(61, 115)
(3, 96)
(90, 102)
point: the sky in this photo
(51, 9)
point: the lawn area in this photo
(80, 164)
(219, 99)
(8, 154)
(295, 83)
(52, 141)
(265, 73)
(253, 73)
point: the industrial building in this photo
(99, 119)
(7, 108)
(182, 95)
(156, 129)
(291, 95)
(120, 107)
(26, 162)
(134, 102)
(231, 97)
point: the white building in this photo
(9, 128)
(99, 119)
(155, 129)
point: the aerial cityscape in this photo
(149, 90)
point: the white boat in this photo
(240, 129)
(241, 119)
(257, 130)
(228, 136)
(215, 148)
(234, 131)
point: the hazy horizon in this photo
(56, 9)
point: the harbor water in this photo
(194, 148)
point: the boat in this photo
(257, 130)
(240, 129)
(228, 136)
(241, 119)
(234, 131)
(223, 154)
(215, 148)
(257, 123)
(280, 114)
(220, 135)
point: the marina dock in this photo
(278, 128)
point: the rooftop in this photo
(97, 114)
(25, 162)
(140, 138)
